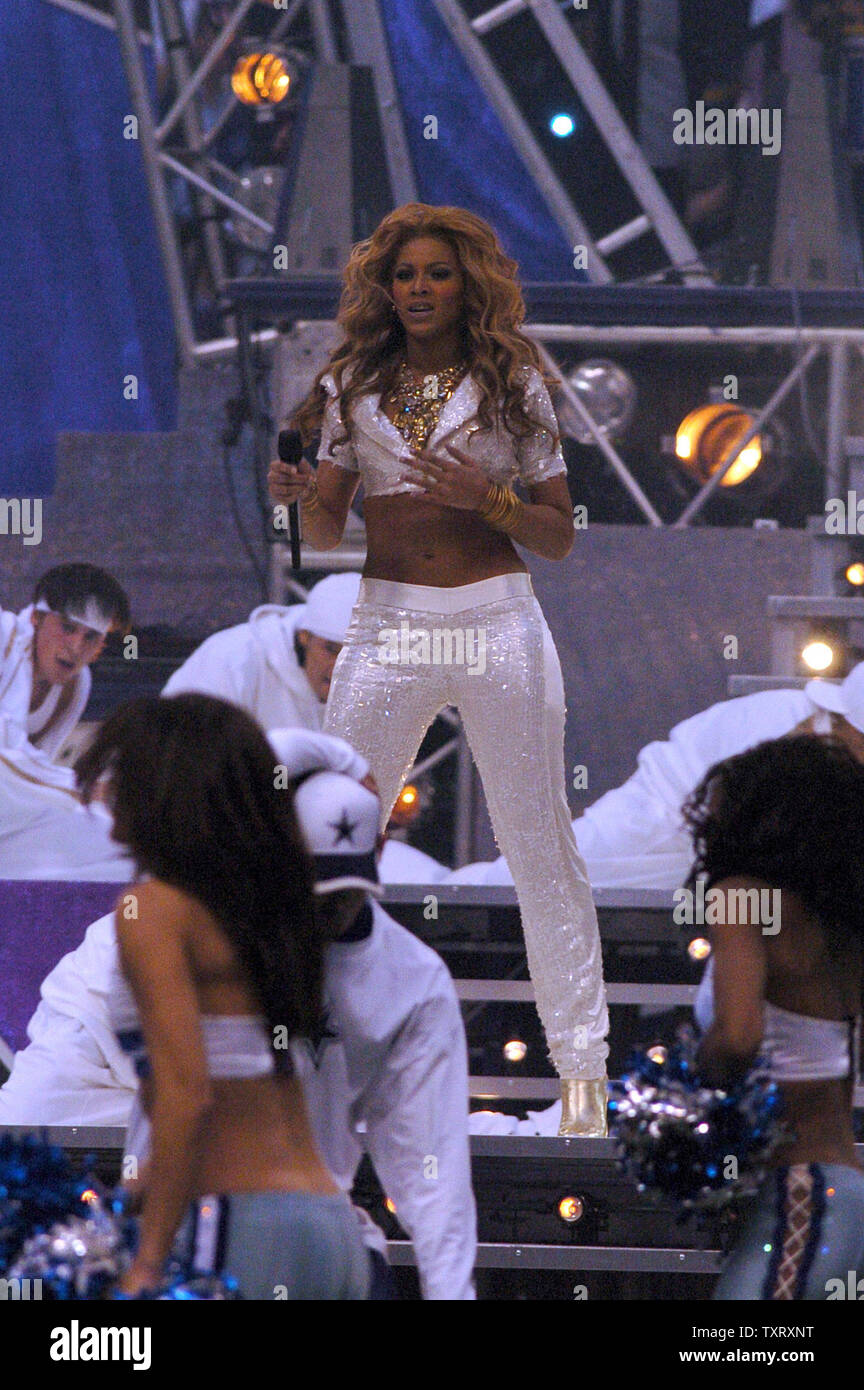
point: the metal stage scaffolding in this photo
(179, 143)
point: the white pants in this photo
(510, 695)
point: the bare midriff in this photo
(257, 1136)
(804, 977)
(412, 540)
(818, 1115)
(259, 1140)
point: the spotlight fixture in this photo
(819, 655)
(515, 1050)
(699, 948)
(571, 1209)
(607, 392)
(854, 575)
(264, 78)
(657, 1053)
(708, 435)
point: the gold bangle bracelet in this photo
(511, 521)
(491, 504)
(501, 508)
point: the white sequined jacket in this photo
(378, 451)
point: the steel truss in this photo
(190, 153)
(811, 342)
(657, 213)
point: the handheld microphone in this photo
(290, 450)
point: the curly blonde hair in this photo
(371, 350)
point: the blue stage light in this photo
(562, 125)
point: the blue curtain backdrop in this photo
(83, 294)
(472, 163)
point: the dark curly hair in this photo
(194, 797)
(789, 811)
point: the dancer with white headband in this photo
(46, 652)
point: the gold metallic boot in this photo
(583, 1109)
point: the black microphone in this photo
(290, 450)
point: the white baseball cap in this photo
(329, 606)
(847, 698)
(339, 821)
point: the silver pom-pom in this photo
(77, 1258)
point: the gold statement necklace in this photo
(418, 402)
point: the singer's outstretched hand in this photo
(287, 481)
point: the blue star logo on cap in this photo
(344, 827)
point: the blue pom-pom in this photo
(78, 1248)
(38, 1186)
(682, 1139)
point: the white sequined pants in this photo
(410, 650)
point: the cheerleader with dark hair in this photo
(779, 835)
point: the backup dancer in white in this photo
(46, 652)
(388, 1073)
(278, 665)
(433, 356)
(634, 836)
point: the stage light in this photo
(607, 392)
(562, 125)
(90, 1197)
(407, 807)
(707, 435)
(699, 948)
(263, 79)
(391, 1207)
(855, 574)
(515, 1050)
(657, 1053)
(818, 655)
(570, 1210)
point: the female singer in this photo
(218, 944)
(777, 832)
(435, 401)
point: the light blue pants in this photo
(279, 1245)
(802, 1237)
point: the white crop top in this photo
(378, 452)
(237, 1046)
(797, 1046)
